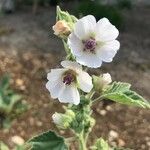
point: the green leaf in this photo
(3, 146)
(100, 145)
(7, 103)
(48, 141)
(5, 82)
(121, 93)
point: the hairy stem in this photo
(82, 142)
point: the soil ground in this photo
(28, 50)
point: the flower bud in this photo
(102, 81)
(106, 78)
(63, 120)
(61, 28)
(57, 118)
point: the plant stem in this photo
(98, 98)
(82, 142)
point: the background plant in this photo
(11, 103)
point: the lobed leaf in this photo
(48, 141)
(120, 92)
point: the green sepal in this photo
(64, 15)
(48, 141)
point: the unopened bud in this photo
(102, 81)
(63, 120)
(57, 118)
(61, 28)
(106, 78)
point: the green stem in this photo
(82, 142)
(98, 98)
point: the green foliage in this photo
(100, 144)
(10, 102)
(3, 146)
(48, 141)
(121, 93)
(124, 4)
(8, 98)
(100, 11)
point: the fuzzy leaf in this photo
(121, 93)
(48, 141)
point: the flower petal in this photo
(54, 88)
(71, 65)
(70, 95)
(55, 74)
(84, 81)
(90, 60)
(105, 31)
(85, 26)
(107, 52)
(75, 44)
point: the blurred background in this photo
(28, 50)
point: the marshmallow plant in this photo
(88, 44)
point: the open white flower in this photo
(93, 43)
(64, 83)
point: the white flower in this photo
(93, 43)
(64, 83)
(106, 78)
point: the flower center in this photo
(89, 45)
(68, 78)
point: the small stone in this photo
(121, 142)
(148, 143)
(31, 121)
(19, 82)
(103, 112)
(39, 123)
(109, 108)
(62, 132)
(17, 140)
(113, 134)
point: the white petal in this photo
(107, 52)
(70, 95)
(71, 65)
(90, 60)
(55, 74)
(105, 31)
(84, 81)
(54, 88)
(85, 26)
(75, 44)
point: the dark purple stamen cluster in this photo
(68, 78)
(89, 44)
